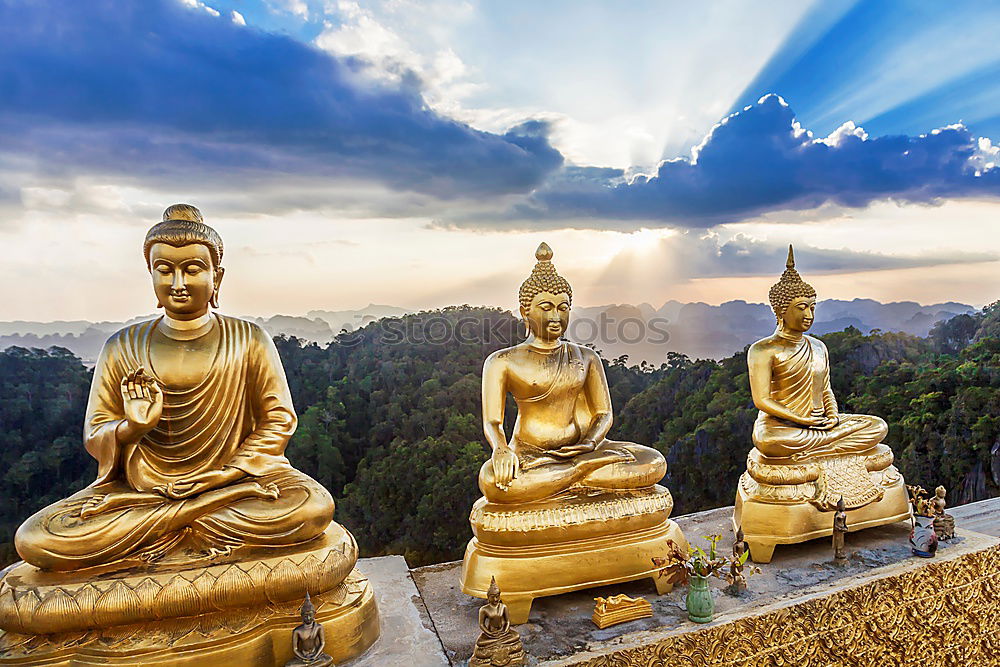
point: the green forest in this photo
(390, 422)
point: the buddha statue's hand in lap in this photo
(790, 384)
(564, 408)
(188, 418)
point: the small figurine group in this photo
(930, 521)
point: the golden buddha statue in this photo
(195, 509)
(563, 507)
(807, 454)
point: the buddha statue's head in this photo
(793, 299)
(308, 611)
(493, 594)
(940, 492)
(545, 298)
(184, 257)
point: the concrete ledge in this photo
(408, 637)
(803, 608)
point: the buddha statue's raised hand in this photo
(143, 405)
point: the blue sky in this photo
(665, 149)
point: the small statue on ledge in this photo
(944, 523)
(498, 645)
(308, 641)
(736, 578)
(619, 609)
(839, 531)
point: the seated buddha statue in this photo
(559, 477)
(308, 640)
(498, 643)
(807, 454)
(188, 419)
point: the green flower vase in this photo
(700, 605)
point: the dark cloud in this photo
(167, 94)
(173, 99)
(696, 255)
(761, 160)
(709, 256)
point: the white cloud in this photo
(197, 4)
(987, 156)
(238, 18)
(848, 129)
(297, 7)
(359, 32)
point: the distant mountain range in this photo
(642, 332)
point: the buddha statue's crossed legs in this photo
(281, 508)
(612, 465)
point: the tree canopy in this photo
(389, 419)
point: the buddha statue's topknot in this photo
(543, 278)
(182, 224)
(307, 606)
(790, 287)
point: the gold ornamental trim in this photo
(28, 605)
(572, 514)
(235, 636)
(944, 613)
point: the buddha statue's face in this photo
(308, 616)
(800, 314)
(184, 278)
(547, 315)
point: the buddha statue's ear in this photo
(219, 274)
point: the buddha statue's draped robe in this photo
(239, 415)
(800, 380)
(555, 417)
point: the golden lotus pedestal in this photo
(580, 539)
(778, 503)
(238, 610)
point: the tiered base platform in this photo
(235, 610)
(583, 539)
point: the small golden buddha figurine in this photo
(944, 523)
(308, 641)
(619, 609)
(559, 482)
(839, 531)
(188, 418)
(498, 645)
(806, 453)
